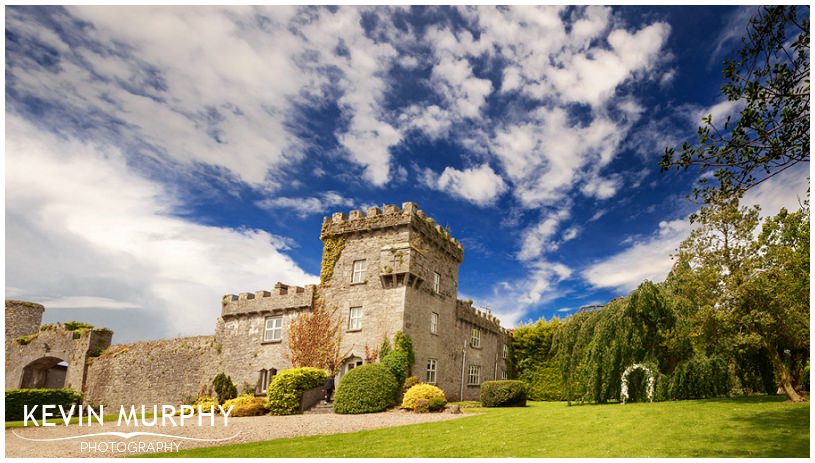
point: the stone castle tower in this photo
(383, 271)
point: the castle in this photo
(383, 271)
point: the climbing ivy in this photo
(332, 248)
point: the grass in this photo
(735, 427)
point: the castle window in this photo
(431, 371)
(434, 322)
(474, 375)
(436, 282)
(503, 375)
(274, 329)
(475, 338)
(355, 319)
(505, 354)
(360, 266)
(264, 378)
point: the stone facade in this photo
(383, 271)
(404, 253)
(166, 371)
(37, 359)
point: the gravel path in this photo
(244, 429)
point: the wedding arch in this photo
(624, 380)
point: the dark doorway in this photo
(45, 373)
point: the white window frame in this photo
(355, 318)
(265, 379)
(503, 375)
(436, 282)
(434, 322)
(505, 353)
(432, 367)
(359, 269)
(474, 375)
(475, 338)
(273, 333)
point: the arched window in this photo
(264, 378)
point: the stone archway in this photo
(624, 380)
(45, 373)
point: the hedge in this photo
(287, 387)
(506, 393)
(366, 389)
(433, 396)
(16, 399)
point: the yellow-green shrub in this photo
(434, 397)
(286, 389)
(246, 405)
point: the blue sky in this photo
(158, 158)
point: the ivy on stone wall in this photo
(332, 248)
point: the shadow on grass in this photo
(776, 433)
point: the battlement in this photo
(391, 216)
(283, 297)
(467, 312)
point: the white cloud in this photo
(216, 86)
(479, 185)
(89, 231)
(649, 259)
(601, 188)
(571, 233)
(537, 239)
(787, 189)
(307, 206)
(718, 113)
(86, 302)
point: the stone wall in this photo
(49, 346)
(152, 372)
(22, 318)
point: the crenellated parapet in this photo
(391, 216)
(467, 312)
(283, 297)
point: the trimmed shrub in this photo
(224, 388)
(246, 405)
(287, 387)
(432, 395)
(369, 388)
(17, 399)
(410, 382)
(506, 393)
(397, 362)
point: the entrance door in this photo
(350, 364)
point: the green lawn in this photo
(738, 427)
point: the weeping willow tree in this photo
(596, 346)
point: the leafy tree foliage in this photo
(224, 388)
(750, 281)
(533, 361)
(400, 359)
(770, 76)
(314, 338)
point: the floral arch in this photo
(624, 380)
